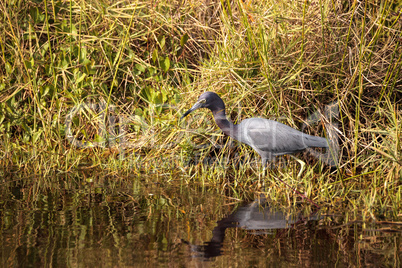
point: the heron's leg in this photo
(302, 164)
(264, 165)
(262, 173)
(267, 163)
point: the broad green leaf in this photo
(9, 69)
(183, 39)
(36, 135)
(140, 68)
(165, 64)
(162, 42)
(155, 55)
(82, 77)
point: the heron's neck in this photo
(224, 124)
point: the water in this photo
(134, 222)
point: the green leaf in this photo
(99, 138)
(162, 42)
(86, 62)
(36, 135)
(146, 94)
(165, 64)
(29, 64)
(2, 117)
(151, 70)
(64, 63)
(9, 69)
(139, 67)
(82, 77)
(36, 15)
(155, 55)
(183, 39)
(45, 90)
(131, 54)
(44, 49)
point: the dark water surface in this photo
(134, 222)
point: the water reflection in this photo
(104, 221)
(258, 217)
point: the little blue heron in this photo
(267, 137)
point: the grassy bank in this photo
(119, 75)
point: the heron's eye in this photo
(203, 101)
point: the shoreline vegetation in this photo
(100, 86)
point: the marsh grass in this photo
(148, 61)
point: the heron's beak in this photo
(197, 105)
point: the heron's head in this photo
(209, 100)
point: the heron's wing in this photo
(271, 136)
(275, 141)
